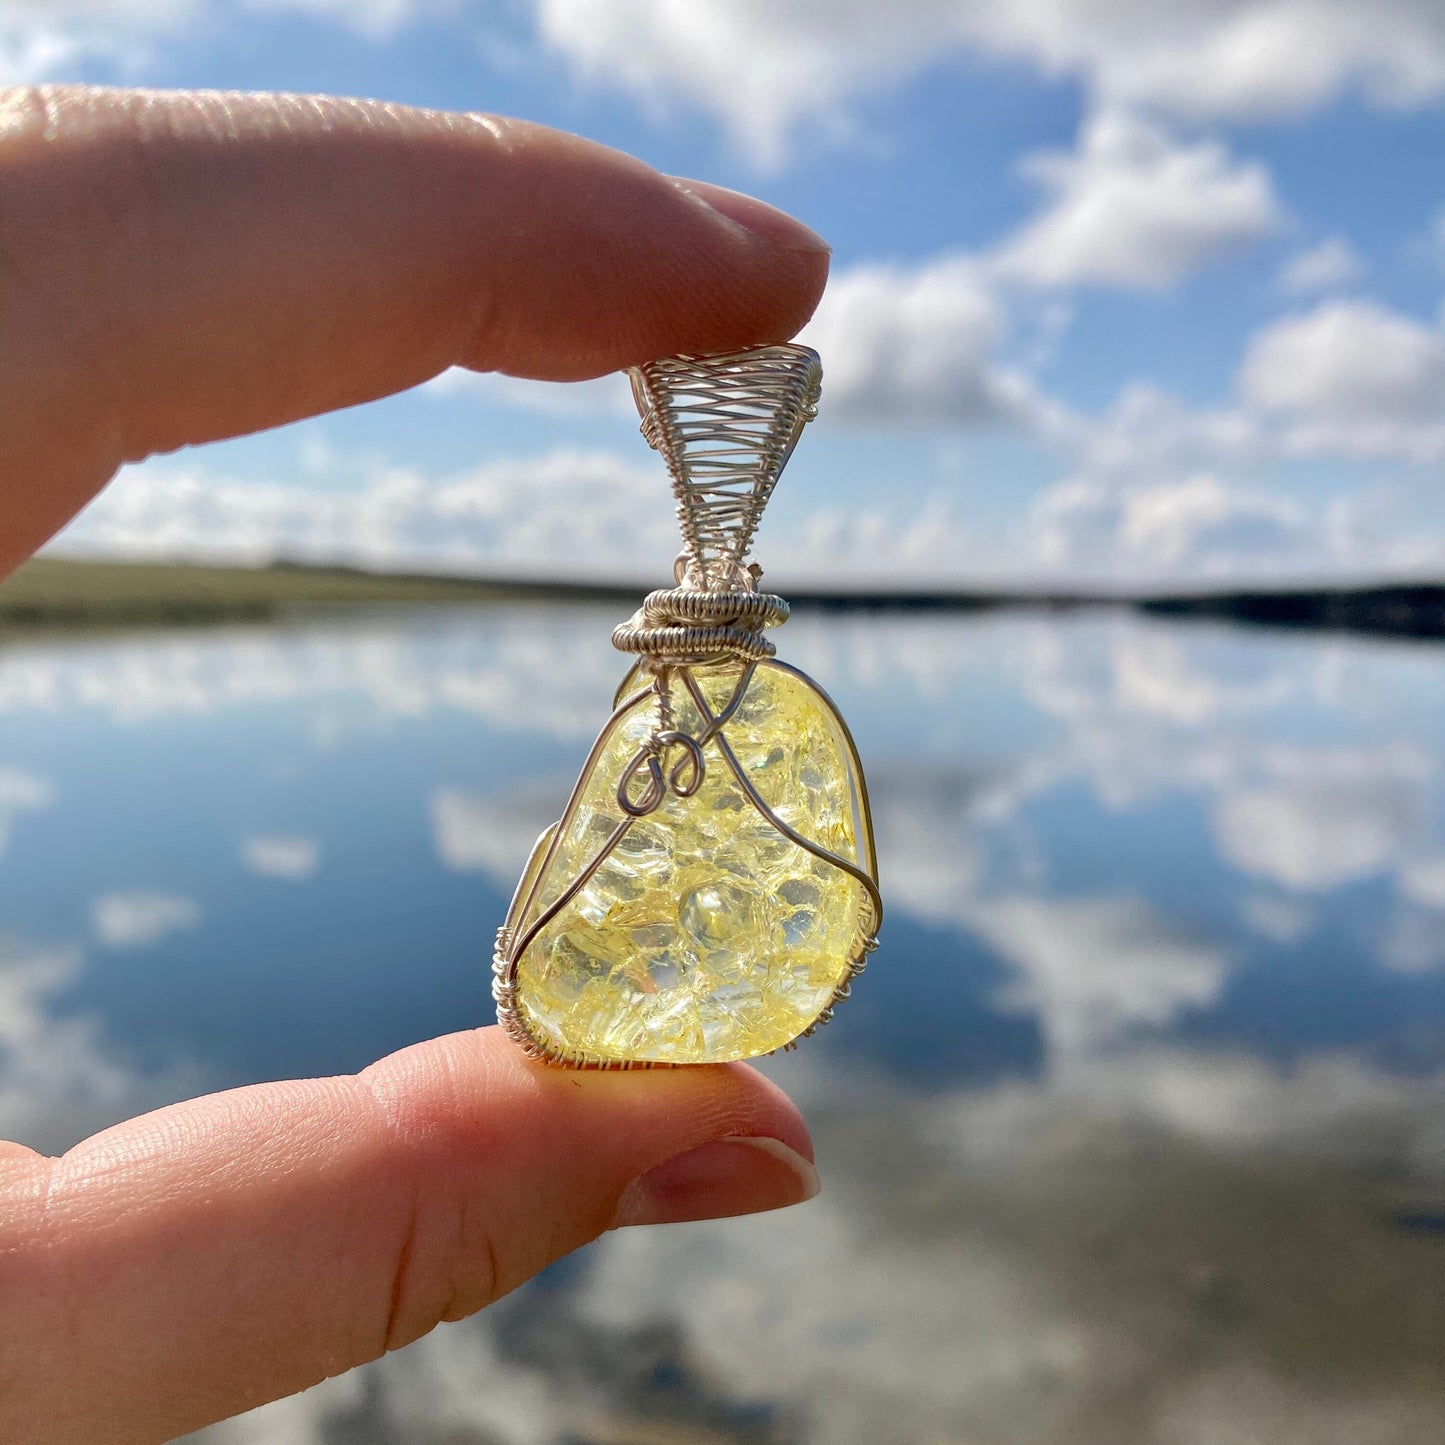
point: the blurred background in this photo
(1134, 1131)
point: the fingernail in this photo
(755, 216)
(729, 1176)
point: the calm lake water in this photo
(1134, 1130)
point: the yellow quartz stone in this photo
(705, 933)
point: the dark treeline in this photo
(1414, 610)
(54, 592)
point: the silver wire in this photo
(725, 426)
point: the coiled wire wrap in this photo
(682, 624)
(726, 426)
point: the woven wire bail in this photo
(725, 426)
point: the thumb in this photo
(204, 1259)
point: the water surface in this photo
(1134, 1131)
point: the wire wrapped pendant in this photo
(710, 891)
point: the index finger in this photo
(176, 268)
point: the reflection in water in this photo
(1133, 1132)
(59, 1078)
(20, 792)
(295, 859)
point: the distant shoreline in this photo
(53, 592)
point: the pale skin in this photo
(179, 268)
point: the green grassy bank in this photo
(53, 592)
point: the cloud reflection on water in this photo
(59, 1078)
(134, 920)
(1171, 889)
(20, 792)
(522, 669)
(291, 859)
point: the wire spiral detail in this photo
(725, 426)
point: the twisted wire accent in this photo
(726, 426)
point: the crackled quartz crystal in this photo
(706, 934)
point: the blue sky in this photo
(1123, 292)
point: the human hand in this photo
(176, 269)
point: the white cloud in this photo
(1390, 528)
(773, 72)
(862, 547)
(43, 1064)
(1202, 520)
(1133, 207)
(1331, 1107)
(1092, 969)
(521, 667)
(20, 792)
(566, 515)
(1148, 440)
(1280, 920)
(1146, 434)
(585, 513)
(1155, 676)
(491, 834)
(1138, 512)
(929, 344)
(765, 70)
(603, 396)
(998, 1239)
(923, 344)
(916, 344)
(1197, 527)
(136, 920)
(923, 818)
(1242, 59)
(1131, 745)
(1158, 493)
(1351, 378)
(1351, 356)
(58, 1081)
(1316, 818)
(377, 20)
(56, 40)
(1414, 943)
(1423, 880)
(1325, 267)
(287, 857)
(63, 39)
(1162, 492)
(1304, 818)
